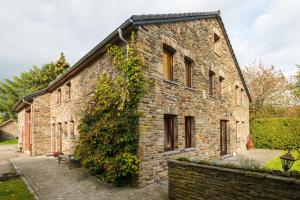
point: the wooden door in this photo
(27, 130)
(223, 138)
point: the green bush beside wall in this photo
(276, 133)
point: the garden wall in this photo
(276, 133)
(197, 181)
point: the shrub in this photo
(108, 141)
(276, 133)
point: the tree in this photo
(27, 82)
(297, 84)
(267, 86)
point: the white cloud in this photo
(34, 32)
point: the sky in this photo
(34, 32)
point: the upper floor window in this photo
(189, 131)
(168, 63)
(68, 91)
(236, 94)
(216, 43)
(242, 96)
(188, 73)
(221, 86)
(211, 76)
(58, 100)
(169, 132)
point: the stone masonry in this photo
(8, 130)
(56, 114)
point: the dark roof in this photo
(28, 99)
(136, 20)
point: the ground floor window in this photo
(189, 131)
(170, 132)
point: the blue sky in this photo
(34, 32)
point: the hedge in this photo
(276, 133)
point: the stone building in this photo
(8, 130)
(197, 104)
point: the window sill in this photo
(171, 152)
(191, 89)
(171, 82)
(190, 149)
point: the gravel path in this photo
(52, 181)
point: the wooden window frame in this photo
(211, 75)
(189, 132)
(68, 91)
(188, 72)
(169, 132)
(221, 86)
(168, 63)
(58, 97)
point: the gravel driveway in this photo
(52, 181)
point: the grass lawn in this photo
(15, 189)
(10, 141)
(275, 164)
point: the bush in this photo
(276, 133)
(108, 141)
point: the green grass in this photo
(275, 164)
(15, 189)
(10, 141)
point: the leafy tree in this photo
(27, 82)
(268, 87)
(297, 83)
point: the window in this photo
(72, 129)
(237, 130)
(66, 129)
(242, 94)
(68, 91)
(211, 82)
(216, 43)
(221, 87)
(58, 96)
(169, 126)
(236, 94)
(188, 73)
(168, 63)
(189, 131)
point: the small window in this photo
(72, 129)
(68, 91)
(221, 87)
(211, 82)
(168, 64)
(236, 94)
(216, 43)
(237, 130)
(188, 73)
(58, 96)
(169, 129)
(66, 129)
(242, 95)
(189, 132)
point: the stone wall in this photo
(194, 40)
(195, 181)
(21, 126)
(9, 130)
(40, 123)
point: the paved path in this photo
(52, 181)
(7, 152)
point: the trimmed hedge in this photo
(276, 133)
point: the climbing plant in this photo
(108, 141)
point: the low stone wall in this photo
(196, 181)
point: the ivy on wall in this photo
(108, 142)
